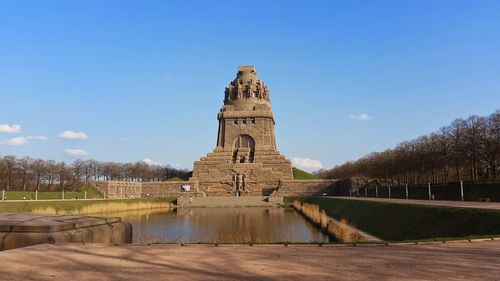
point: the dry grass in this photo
(221, 238)
(323, 219)
(105, 208)
(342, 230)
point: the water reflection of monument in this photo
(225, 225)
(249, 224)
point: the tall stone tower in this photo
(245, 161)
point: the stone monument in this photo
(245, 161)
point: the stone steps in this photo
(223, 201)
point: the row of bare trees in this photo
(37, 174)
(465, 150)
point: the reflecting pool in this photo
(221, 225)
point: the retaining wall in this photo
(26, 229)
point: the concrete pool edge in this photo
(20, 229)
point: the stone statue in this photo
(250, 90)
(228, 93)
(239, 90)
(240, 183)
(266, 93)
(260, 91)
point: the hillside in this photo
(299, 174)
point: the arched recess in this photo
(243, 149)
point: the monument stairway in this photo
(224, 201)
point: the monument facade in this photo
(245, 160)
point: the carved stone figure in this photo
(249, 90)
(240, 90)
(260, 91)
(240, 182)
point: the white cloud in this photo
(72, 135)
(17, 141)
(149, 161)
(361, 117)
(14, 141)
(76, 152)
(6, 128)
(307, 164)
(40, 138)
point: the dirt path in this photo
(450, 261)
(460, 204)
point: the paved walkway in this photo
(460, 204)
(450, 261)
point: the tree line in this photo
(466, 150)
(36, 174)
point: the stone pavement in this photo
(25, 229)
(438, 261)
(459, 204)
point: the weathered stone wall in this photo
(163, 189)
(119, 189)
(265, 186)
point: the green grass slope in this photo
(299, 174)
(400, 222)
(92, 193)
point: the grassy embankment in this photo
(299, 174)
(82, 207)
(406, 222)
(92, 193)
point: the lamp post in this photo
(462, 190)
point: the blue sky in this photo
(145, 79)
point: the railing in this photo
(456, 191)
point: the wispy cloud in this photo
(361, 117)
(7, 128)
(39, 138)
(149, 161)
(72, 135)
(17, 141)
(76, 152)
(307, 164)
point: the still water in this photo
(222, 225)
